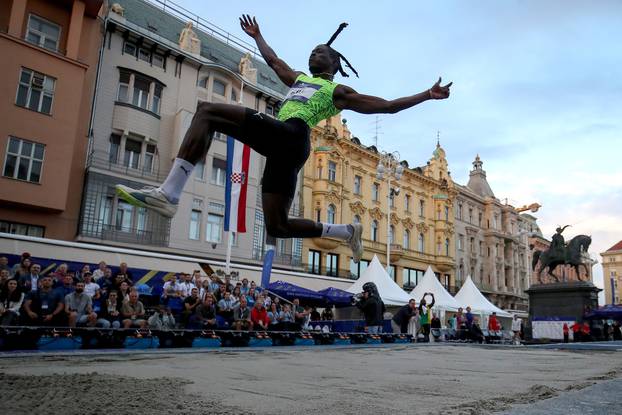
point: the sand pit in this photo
(399, 379)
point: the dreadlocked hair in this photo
(338, 57)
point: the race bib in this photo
(301, 91)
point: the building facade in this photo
(612, 273)
(340, 185)
(155, 69)
(492, 242)
(48, 77)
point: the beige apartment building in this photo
(340, 185)
(612, 273)
(155, 68)
(50, 51)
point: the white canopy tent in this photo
(430, 284)
(469, 295)
(390, 292)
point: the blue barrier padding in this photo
(141, 342)
(59, 343)
(255, 342)
(206, 342)
(304, 342)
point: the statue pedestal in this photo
(566, 301)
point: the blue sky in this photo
(537, 91)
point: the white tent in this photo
(469, 295)
(389, 291)
(430, 284)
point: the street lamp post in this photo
(389, 166)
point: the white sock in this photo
(337, 231)
(176, 179)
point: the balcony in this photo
(96, 229)
(102, 160)
(326, 243)
(130, 118)
(279, 258)
(397, 252)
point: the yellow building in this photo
(340, 185)
(612, 273)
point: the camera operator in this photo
(370, 303)
(402, 318)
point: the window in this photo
(141, 219)
(24, 160)
(332, 171)
(43, 33)
(115, 143)
(391, 233)
(357, 185)
(105, 210)
(407, 203)
(203, 82)
(141, 92)
(459, 211)
(35, 91)
(374, 230)
(411, 277)
(219, 171)
(392, 272)
(391, 199)
(494, 222)
(219, 87)
(195, 225)
(406, 241)
(331, 214)
(479, 219)
(332, 265)
(319, 172)
(314, 262)
(144, 55)
(129, 48)
(357, 269)
(318, 215)
(375, 191)
(446, 213)
(460, 242)
(421, 243)
(270, 109)
(213, 231)
(124, 87)
(446, 247)
(155, 100)
(199, 170)
(157, 60)
(470, 215)
(472, 245)
(421, 208)
(133, 149)
(357, 219)
(21, 229)
(124, 216)
(150, 153)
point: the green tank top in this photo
(310, 99)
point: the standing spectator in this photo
(162, 319)
(372, 307)
(90, 288)
(219, 294)
(275, 317)
(606, 331)
(241, 316)
(327, 314)
(493, 322)
(196, 279)
(585, 332)
(245, 287)
(100, 271)
(30, 282)
(5, 276)
(435, 327)
(190, 305)
(11, 299)
(425, 315)
(67, 287)
(402, 317)
(22, 267)
(288, 321)
(468, 318)
(565, 331)
(79, 307)
(186, 285)
(460, 319)
(123, 269)
(259, 317)
(300, 314)
(44, 307)
(315, 315)
(516, 328)
(476, 332)
(205, 315)
(576, 331)
(225, 307)
(617, 333)
(133, 312)
(4, 264)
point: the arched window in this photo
(391, 233)
(331, 214)
(406, 242)
(446, 247)
(374, 230)
(421, 246)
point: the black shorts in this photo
(285, 144)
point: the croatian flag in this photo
(238, 156)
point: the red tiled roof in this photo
(616, 247)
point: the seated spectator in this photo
(275, 317)
(267, 301)
(110, 311)
(162, 319)
(197, 279)
(251, 297)
(235, 296)
(228, 285)
(327, 314)
(259, 317)
(90, 288)
(123, 293)
(220, 293)
(5, 276)
(244, 287)
(214, 285)
(171, 289)
(123, 270)
(133, 312)
(85, 268)
(100, 271)
(205, 315)
(225, 308)
(22, 267)
(11, 299)
(185, 285)
(106, 282)
(435, 327)
(288, 321)
(4, 264)
(59, 275)
(256, 288)
(277, 301)
(30, 282)
(67, 287)
(315, 315)
(190, 305)
(79, 307)
(300, 314)
(44, 307)
(242, 316)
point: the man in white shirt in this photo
(516, 328)
(171, 288)
(29, 283)
(186, 285)
(90, 287)
(99, 272)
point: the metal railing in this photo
(107, 232)
(102, 160)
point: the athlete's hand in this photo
(440, 92)
(249, 25)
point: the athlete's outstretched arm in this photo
(346, 98)
(283, 71)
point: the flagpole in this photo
(228, 257)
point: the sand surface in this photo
(399, 379)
